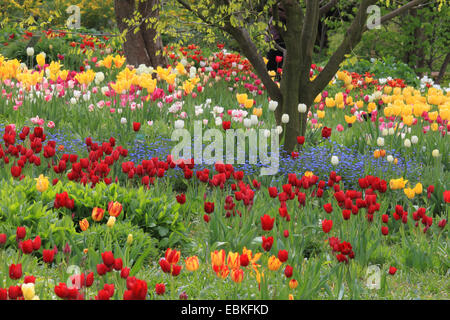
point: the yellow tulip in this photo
(130, 239)
(28, 291)
(409, 193)
(42, 183)
(320, 114)
(418, 188)
(111, 222)
(395, 184)
(274, 263)
(249, 103)
(257, 112)
(434, 126)
(350, 120)
(241, 98)
(40, 58)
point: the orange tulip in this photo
(233, 260)
(237, 275)
(172, 256)
(114, 209)
(97, 214)
(192, 263)
(84, 224)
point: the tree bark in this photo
(141, 47)
(443, 68)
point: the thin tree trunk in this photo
(443, 68)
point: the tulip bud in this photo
(129, 239)
(111, 222)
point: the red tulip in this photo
(392, 270)
(37, 243)
(136, 126)
(301, 140)
(16, 171)
(27, 246)
(29, 279)
(118, 264)
(328, 207)
(385, 218)
(165, 265)
(181, 199)
(447, 196)
(283, 255)
(176, 269)
(101, 269)
(160, 288)
(244, 260)
(327, 225)
(108, 258)
(2, 238)
(3, 294)
(209, 207)
(326, 132)
(89, 279)
(61, 290)
(267, 243)
(384, 230)
(14, 292)
(288, 271)
(21, 233)
(442, 223)
(124, 273)
(15, 271)
(273, 192)
(48, 255)
(267, 222)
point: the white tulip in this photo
(266, 133)
(302, 108)
(380, 141)
(391, 131)
(123, 120)
(390, 158)
(179, 124)
(279, 129)
(30, 51)
(273, 105)
(435, 153)
(247, 123)
(254, 119)
(414, 139)
(384, 132)
(218, 121)
(407, 143)
(73, 100)
(334, 160)
(285, 118)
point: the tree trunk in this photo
(141, 47)
(443, 69)
(152, 40)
